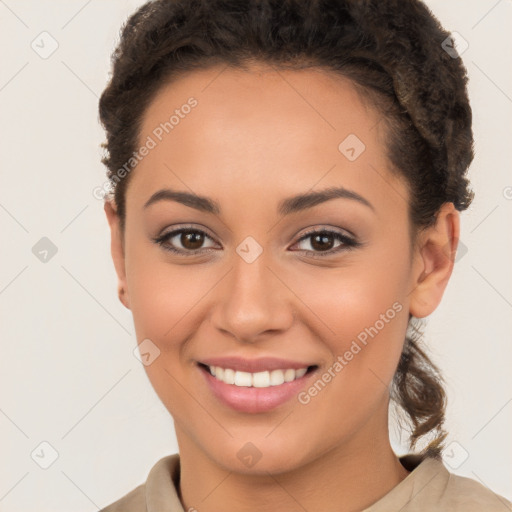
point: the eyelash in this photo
(348, 243)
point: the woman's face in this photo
(251, 290)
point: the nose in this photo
(253, 301)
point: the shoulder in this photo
(438, 487)
(134, 501)
(159, 492)
(430, 486)
(466, 494)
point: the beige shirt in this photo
(429, 487)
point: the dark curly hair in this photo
(391, 50)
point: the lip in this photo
(254, 400)
(255, 365)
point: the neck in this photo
(346, 479)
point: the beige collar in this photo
(427, 481)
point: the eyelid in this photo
(190, 227)
(330, 229)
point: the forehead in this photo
(271, 130)
(298, 102)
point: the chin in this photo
(258, 457)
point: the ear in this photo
(434, 257)
(117, 251)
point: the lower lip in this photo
(251, 399)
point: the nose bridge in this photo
(252, 300)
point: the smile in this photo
(264, 379)
(255, 385)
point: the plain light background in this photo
(68, 373)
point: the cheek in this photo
(358, 299)
(353, 390)
(364, 308)
(163, 298)
(162, 294)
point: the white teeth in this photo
(289, 375)
(300, 373)
(277, 377)
(229, 376)
(261, 380)
(258, 380)
(243, 379)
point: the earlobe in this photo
(434, 260)
(123, 296)
(117, 251)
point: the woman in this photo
(287, 178)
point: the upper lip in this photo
(254, 365)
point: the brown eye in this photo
(191, 240)
(324, 241)
(184, 241)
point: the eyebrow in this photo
(287, 206)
